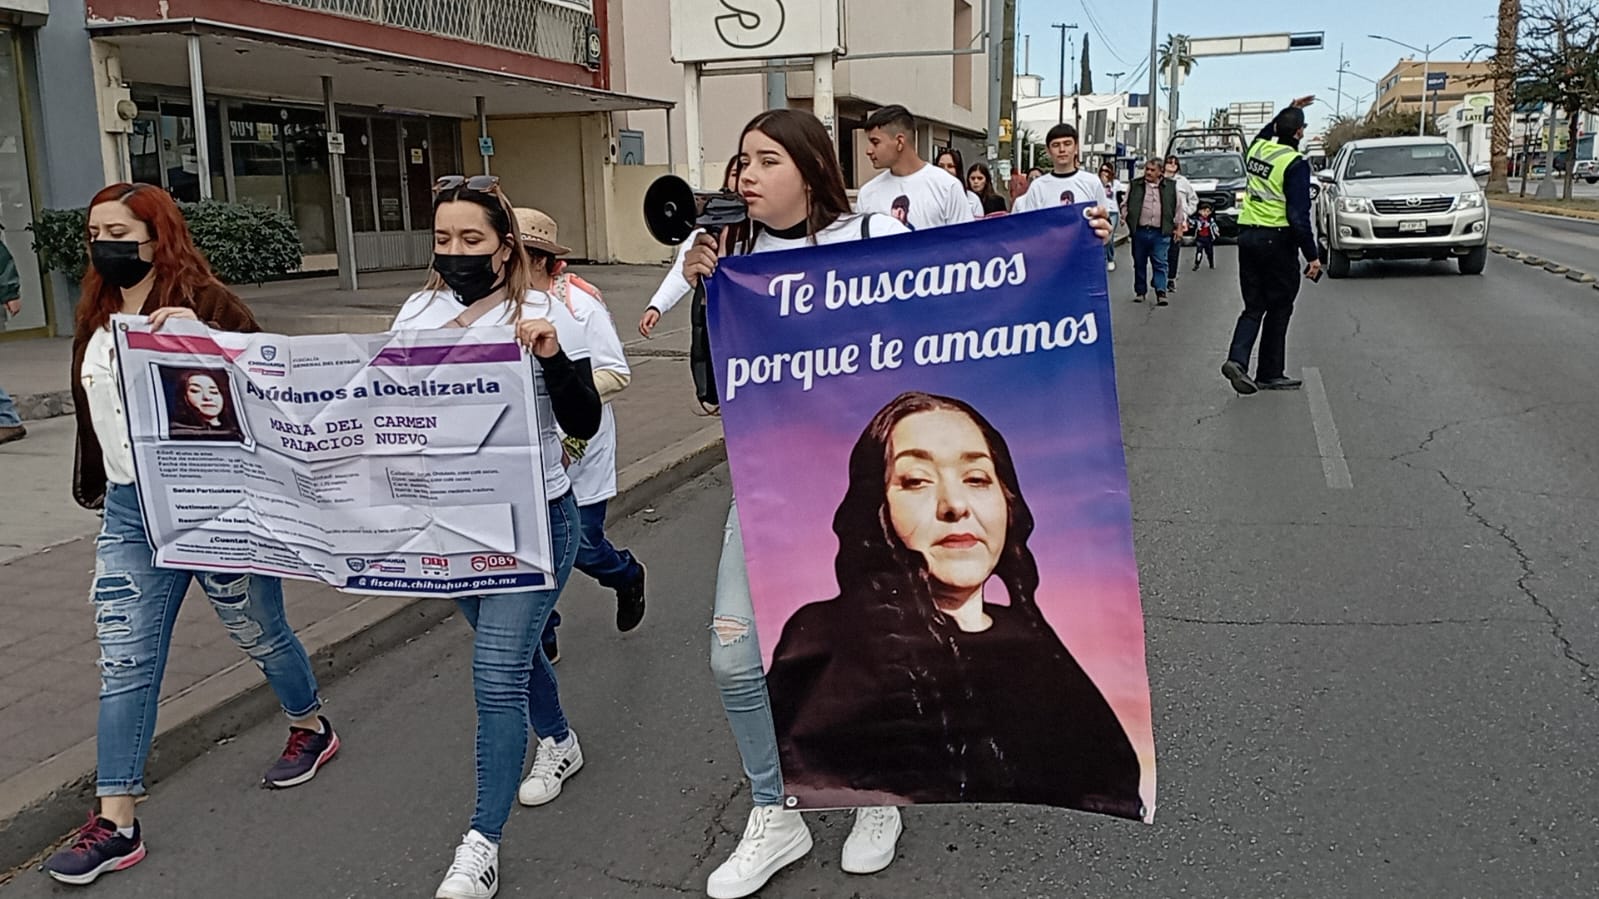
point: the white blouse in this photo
(99, 376)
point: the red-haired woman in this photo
(145, 263)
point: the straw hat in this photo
(538, 231)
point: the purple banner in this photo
(456, 354)
(927, 458)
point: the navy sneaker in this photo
(630, 602)
(98, 849)
(304, 755)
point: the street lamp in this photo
(1375, 85)
(1060, 115)
(1426, 64)
(1115, 81)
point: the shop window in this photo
(358, 173)
(387, 167)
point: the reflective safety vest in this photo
(1266, 198)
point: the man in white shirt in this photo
(1067, 184)
(917, 194)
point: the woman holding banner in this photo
(483, 276)
(909, 683)
(144, 262)
(791, 179)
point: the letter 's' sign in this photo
(721, 30)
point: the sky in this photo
(1120, 28)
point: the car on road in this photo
(1481, 168)
(1213, 162)
(1401, 198)
(1587, 170)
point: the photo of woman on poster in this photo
(911, 685)
(199, 407)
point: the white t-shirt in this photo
(593, 475)
(976, 202)
(1053, 190)
(674, 287)
(428, 310)
(1187, 198)
(846, 229)
(927, 198)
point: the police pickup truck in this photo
(1213, 162)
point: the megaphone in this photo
(672, 210)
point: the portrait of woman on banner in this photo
(910, 685)
(199, 405)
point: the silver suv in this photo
(1401, 198)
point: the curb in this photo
(41, 406)
(38, 806)
(1554, 268)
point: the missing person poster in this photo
(927, 458)
(403, 463)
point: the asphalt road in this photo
(1568, 241)
(1385, 689)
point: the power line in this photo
(1093, 21)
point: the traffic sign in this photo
(1437, 81)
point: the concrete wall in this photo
(630, 241)
(553, 163)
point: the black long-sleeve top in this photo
(573, 398)
(1296, 186)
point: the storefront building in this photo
(340, 113)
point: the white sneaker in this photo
(871, 842)
(1110, 266)
(475, 873)
(551, 768)
(774, 837)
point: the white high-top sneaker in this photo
(773, 838)
(871, 842)
(475, 873)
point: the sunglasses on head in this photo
(483, 184)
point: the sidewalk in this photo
(48, 654)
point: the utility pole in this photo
(1154, 75)
(1077, 87)
(996, 75)
(1338, 110)
(1060, 113)
(1179, 47)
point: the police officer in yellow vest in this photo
(1274, 230)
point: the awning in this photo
(281, 67)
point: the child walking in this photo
(1205, 237)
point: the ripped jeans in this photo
(736, 662)
(135, 606)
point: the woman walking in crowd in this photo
(590, 464)
(950, 161)
(482, 276)
(144, 262)
(1189, 199)
(1115, 192)
(790, 176)
(980, 182)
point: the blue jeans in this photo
(512, 682)
(1151, 247)
(1110, 247)
(135, 606)
(8, 411)
(736, 663)
(598, 558)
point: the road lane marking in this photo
(1333, 464)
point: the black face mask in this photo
(471, 277)
(118, 262)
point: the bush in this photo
(245, 243)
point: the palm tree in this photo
(1185, 61)
(1504, 72)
